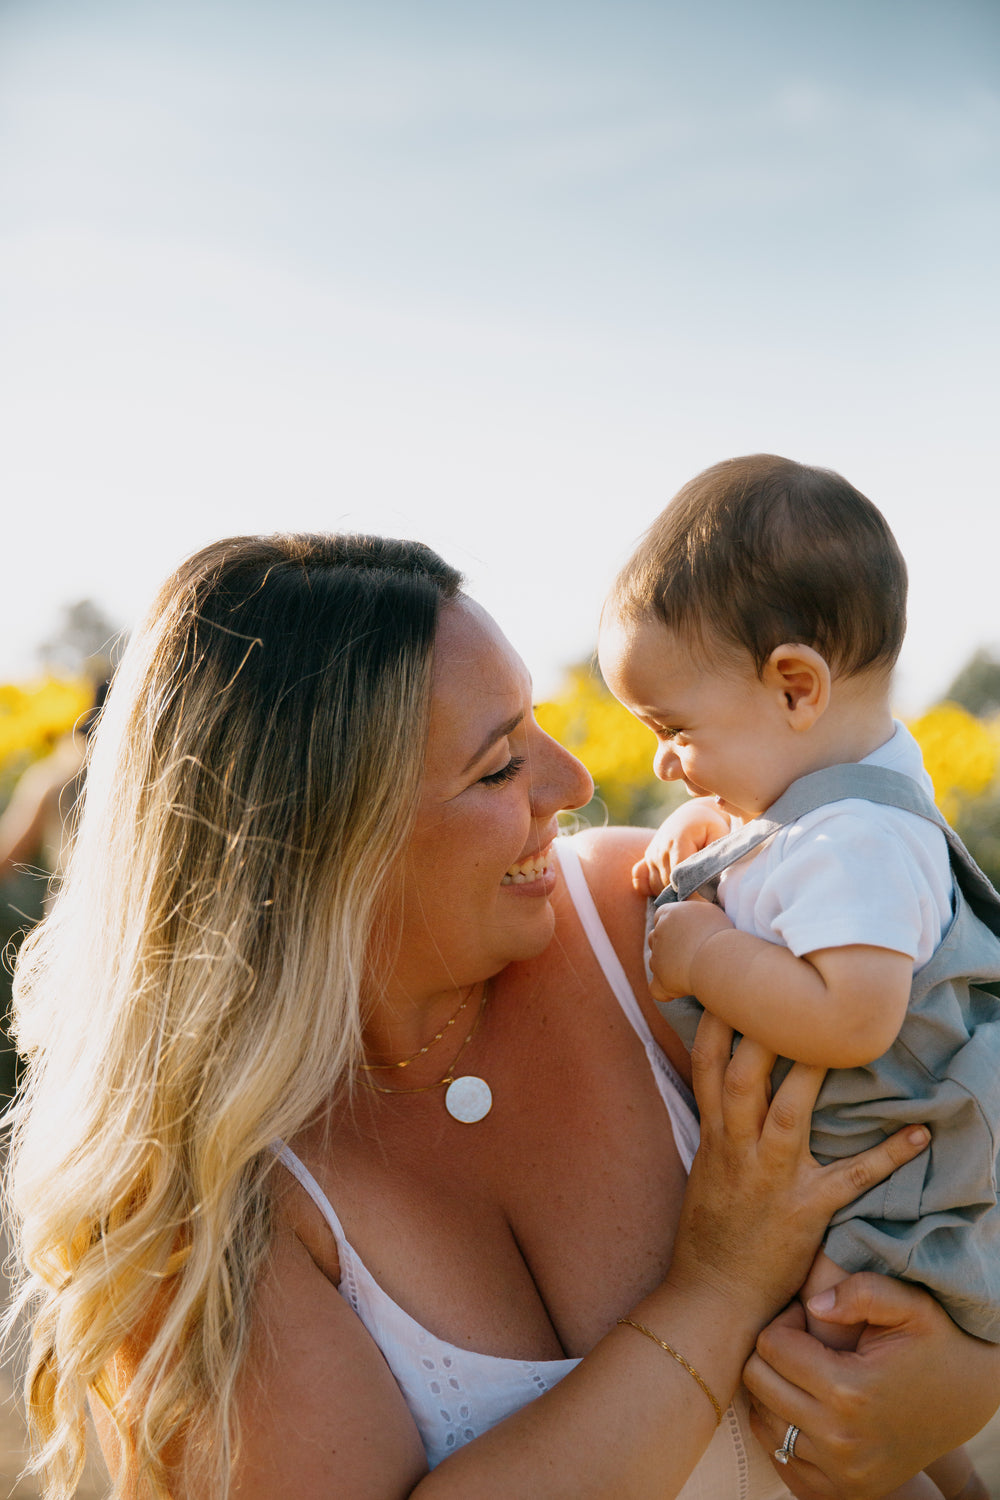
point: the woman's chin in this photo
(528, 923)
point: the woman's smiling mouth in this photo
(533, 868)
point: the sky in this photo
(498, 277)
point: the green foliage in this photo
(85, 643)
(978, 825)
(977, 686)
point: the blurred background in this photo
(501, 277)
(498, 277)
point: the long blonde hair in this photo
(196, 990)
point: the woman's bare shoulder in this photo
(608, 854)
(295, 1211)
(319, 1410)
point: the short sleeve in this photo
(844, 878)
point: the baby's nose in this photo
(666, 765)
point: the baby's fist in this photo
(688, 829)
(680, 929)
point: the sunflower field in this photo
(33, 716)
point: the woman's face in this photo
(478, 871)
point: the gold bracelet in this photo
(640, 1328)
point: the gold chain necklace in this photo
(405, 1062)
(467, 1098)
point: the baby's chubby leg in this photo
(951, 1478)
(956, 1478)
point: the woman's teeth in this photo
(527, 870)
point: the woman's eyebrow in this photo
(500, 732)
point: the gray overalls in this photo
(936, 1220)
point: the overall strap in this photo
(819, 788)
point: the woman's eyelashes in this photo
(505, 774)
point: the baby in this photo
(754, 631)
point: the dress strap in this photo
(604, 952)
(676, 1095)
(288, 1159)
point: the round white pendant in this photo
(468, 1099)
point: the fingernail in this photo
(823, 1302)
(919, 1135)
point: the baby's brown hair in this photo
(757, 551)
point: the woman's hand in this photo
(757, 1202)
(870, 1418)
(689, 828)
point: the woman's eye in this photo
(506, 773)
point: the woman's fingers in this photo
(848, 1179)
(791, 1110)
(758, 1202)
(782, 1368)
(746, 1094)
(799, 1473)
(778, 1400)
(733, 1092)
(739, 1114)
(845, 1401)
(709, 1059)
(878, 1301)
(733, 1089)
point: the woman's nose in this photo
(558, 779)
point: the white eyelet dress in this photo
(456, 1394)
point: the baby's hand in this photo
(689, 828)
(679, 932)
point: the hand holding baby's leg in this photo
(823, 1276)
(951, 1477)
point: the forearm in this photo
(20, 837)
(764, 990)
(797, 1006)
(629, 1421)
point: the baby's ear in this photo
(801, 678)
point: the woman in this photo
(315, 883)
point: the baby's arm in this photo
(835, 1008)
(688, 829)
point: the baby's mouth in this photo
(532, 868)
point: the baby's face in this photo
(720, 729)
